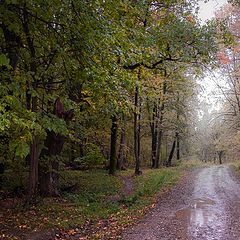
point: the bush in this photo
(93, 157)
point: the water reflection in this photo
(201, 213)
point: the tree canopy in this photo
(72, 69)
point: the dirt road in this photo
(205, 206)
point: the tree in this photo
(71, 69)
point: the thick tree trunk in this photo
(137, 133)
(121, 161)
(170, 157)
(49, 178)
(113, 148)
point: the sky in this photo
(207, 9)
(208, 83)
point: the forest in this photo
(100, 109)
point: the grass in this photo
(236, 166)
(192, 164)
(150, 183)
(88, 202)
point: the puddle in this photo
(199, 213)
(203, 202)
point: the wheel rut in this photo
(205, 205)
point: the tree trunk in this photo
(33, 158)
(33, 171)
(121, 161)
(154, 147)
(48, 172)
(177, 131)
(169, 161)
(49, 179)
(31, 102)
(178, 145)
(159, 145)
(137, 133)
(2, 169)
(153, 126)
(154, 133)
(13, 44)
(166, 149)
(220, 159)
(160, 122)
(113, 148)
(220, 153)
(81, 150)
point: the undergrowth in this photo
(85, 198)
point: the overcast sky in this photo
(207, 9)
(208, 83)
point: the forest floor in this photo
(205, 205)
(93, 205)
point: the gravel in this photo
(204, 206)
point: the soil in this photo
(205, 206)
(128, 185)
(126, 190)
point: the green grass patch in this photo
(154, 180)
(89, 200)
(151, 182)
(192, 164)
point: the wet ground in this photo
(205, 206)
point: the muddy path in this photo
(204, 206)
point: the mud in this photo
(204, 206)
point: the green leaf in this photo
(4, 61)
(20, 148)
